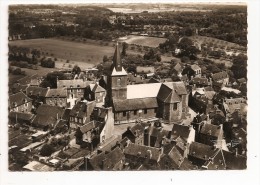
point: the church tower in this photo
(117, 80)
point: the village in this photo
(166, 102)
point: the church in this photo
(168, 100)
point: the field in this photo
(143, 40)
(67, 50)
(215, 42)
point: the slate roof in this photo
(35, 91)
(240, 104)
(200, 81)
(195, 67)
(226, 160)
(89, 126)
(178, 86)
(182, 131)
(27, 79)
(96, 88)
(47, 115)
(178, 67)
(80, 109)
(137, 129)
(48, 110)
(60, 92)
(137, 91)
(210, 129)
(21, 116)
(201, 151)
(134, 104)
(107, 161)
(219, 76)
(75, 83)
(18, 99)
(143, 151)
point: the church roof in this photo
(135, 104)
(143, 90)
(118, 73)
(117, 63)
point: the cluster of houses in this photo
(77, 121)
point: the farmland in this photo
(143, 40)
(67, 50)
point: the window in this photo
(119, 81)
(175, 106)
(145, 111)
(124, 113)
(135, 112)
(80, 120)
(76, 119)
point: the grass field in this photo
(67, 50)
(143, 40)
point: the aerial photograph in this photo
(127, 87)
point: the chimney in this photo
(162, 150)
(149, 154)
(236, 152)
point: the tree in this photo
(17, 71)
(47, 150)
(76, 69)
(187, 48)
(124, 47)
(105, 58)
(239, 67)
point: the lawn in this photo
(143, 40)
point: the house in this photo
(200, 82)
(172, 160)
(177, 69)
(225, 160)
(47, 116)
(198, 100)
(113, 160)
(200, 153)
(98, 131)
(37, 94)
(95, 92)
(168, 100)
(192, 71)
(196, 69)
(185, 132)
(235, 104)
(75, 89)
(155, 135)
(20, 117)
(211, 135)
(221, 77)
(19, 102)
(80, 113)
(135, 134)
(137, 155)
(56, 97)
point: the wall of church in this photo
(130, 116)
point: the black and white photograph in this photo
(137, 87)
